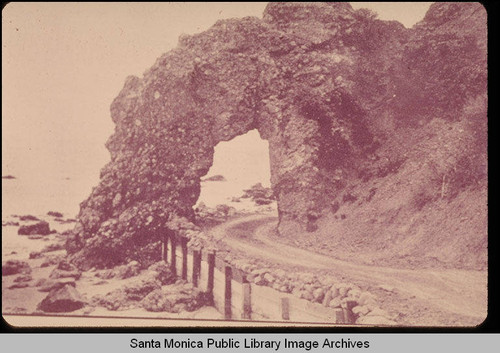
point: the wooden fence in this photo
(235, 297)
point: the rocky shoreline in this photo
(46, 283)
(62, 288)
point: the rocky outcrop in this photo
(28, 218)
(13, 267)
(55, 214)
(259, 194)
(339, 96)
(121, 272)
(47, 285)
(176, 298)
(129, 296)
(215, 178)
(39, 228)
(63, 299)
(65, 270)
(10, 223)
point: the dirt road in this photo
(422, 297)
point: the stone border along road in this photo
(462, 292)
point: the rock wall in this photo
(326, 86)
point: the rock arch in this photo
(299, 76)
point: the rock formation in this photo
(63, 299)
(339, 95)
(40, 227)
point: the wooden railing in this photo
(238, 299)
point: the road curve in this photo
(462, 292)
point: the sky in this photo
(63, 64)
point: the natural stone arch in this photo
(168, 123)
(299, 76)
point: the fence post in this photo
(211, 268)
(247, 302)
(347, 310)
(227, 293)
(285, 308)
(172, 253)
(164, 247)
(196, 266)
(339, 316)
(184, 242)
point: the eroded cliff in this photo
(353, 108)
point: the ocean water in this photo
(23, 196)
(243, 161)
(34, 196)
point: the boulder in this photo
(13, 267)
(261, 201)
(105, 274)
(51, 260)
(360, 310)
(55, 274)
(65, 270)
(365, 298)
(46, 285)
(115, 300)
(36, 255)
(137, 290)
(164, 273)
(215, 178)
(285, 289)
(259, 280)
(175, 298)
(62, 220)
(66, 266)
(328, 297)
(23, 278)
(354, 293)
(131, 269)
(259, 194)
(224, 210)
(128, 296)
(63, 299)
(54, 214)
(19, 285)
(335, 302)
(334, 290)
(10, 223)
(39, 228)
(343, 289)
(53, 247)
(306, 295)
(269, 278)
(318, 295)
(28, 218)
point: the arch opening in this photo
(238, 165)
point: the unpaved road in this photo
(428, 297)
